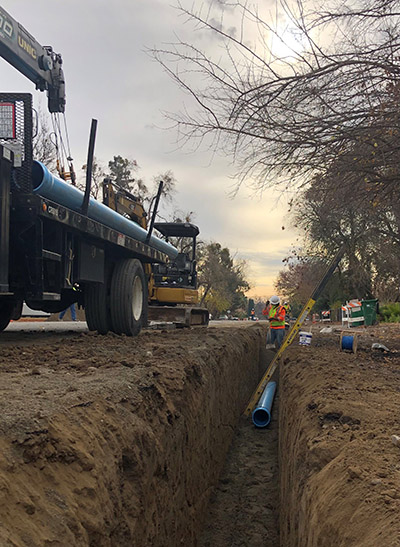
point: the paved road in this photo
(47, 326)
(81, 326)
(70, 327)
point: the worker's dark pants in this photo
(72, 310)
(277, 336)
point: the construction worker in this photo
(276, 316)
(71, 308)
(267, 308)
(286, 305)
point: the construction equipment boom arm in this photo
(38, 63)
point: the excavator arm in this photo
(38, 63)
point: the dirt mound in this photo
(113, 441)
(340, 471)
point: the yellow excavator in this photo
(172, 287)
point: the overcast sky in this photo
(110, 77)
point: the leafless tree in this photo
(44, 149)
(358, 208)
(285, 113)
(98, 175)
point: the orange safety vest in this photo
(266, 310)
(276, 316)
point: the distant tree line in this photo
(222, 280)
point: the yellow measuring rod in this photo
(274, 363)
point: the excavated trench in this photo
(113, 442)
(110, 441)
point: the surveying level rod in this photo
(274, 363)
(328, 273)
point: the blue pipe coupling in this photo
(50, 187)
(261, 415)
(347, 343)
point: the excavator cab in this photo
(182, 271)
(173, 287)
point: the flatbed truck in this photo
(58, 246)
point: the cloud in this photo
(223, 5)
(216, 24)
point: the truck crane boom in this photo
(40, 64)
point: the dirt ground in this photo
(339, 466)
(339, 471)
(111, 441)
(244, 508)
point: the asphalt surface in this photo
(47, 326)
(81, 326)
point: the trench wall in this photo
(339, 472)
(133, 469)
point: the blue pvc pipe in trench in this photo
(261, 415)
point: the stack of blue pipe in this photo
(50, 187)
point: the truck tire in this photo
(128, 297)
(97, 307)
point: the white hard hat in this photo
(275, 300)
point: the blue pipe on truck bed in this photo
(50, 187)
